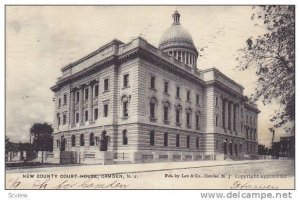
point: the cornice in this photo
(225, 88)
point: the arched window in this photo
(166, 107)
(92, 139)
(177, 140)
(125, 139)
(178, 109)
(81, 140)
(97, 141)
(165, 139)
(73, 141)
(188, 141)
(152, 138)
(125, 103)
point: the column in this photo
(193, 60)
(237, 117)
(90, 102)
(181, 59)
(80, 104)
(187, 58)
(232, 115)
(229, 115)
(72, 97)
(226, 114)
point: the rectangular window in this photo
(95, 114)
(177, 140)
(125, 138)
(188, 141)
(178, 92)
(197, 142)
(166, 110)
(152, 110)
(86, 115)
(187, 119)
(77, 96)
(65, 99)
(217, 120)
(166, 87)
(188, 93)
(152, 82)
(217, 99)
(58, 119)
(59, 103)
(197, 99)
(152, 138)
(197, 121)
(77, 118)
(96, 90)
(165, 139)
(126, 80)
(86, 93)
(125, 109)
(177, 116)
(106, 84)
(64, 119)
(105, 110)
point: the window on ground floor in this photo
(165, 139)
(125, 139)
(152, 138)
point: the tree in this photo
(272, 56)
(42, 136)
(263, 150)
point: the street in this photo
(254, 174)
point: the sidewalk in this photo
(131, 168)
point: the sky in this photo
(40, 40)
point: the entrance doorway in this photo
(230, 148)
(103, 141)
(236, 149)
(225, 147)
(62, 143)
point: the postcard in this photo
(150, 97)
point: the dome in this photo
(176, 35)
(178, 43)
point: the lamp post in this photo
(272, 144)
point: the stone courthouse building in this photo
(138, 103)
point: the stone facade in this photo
(137, 103)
